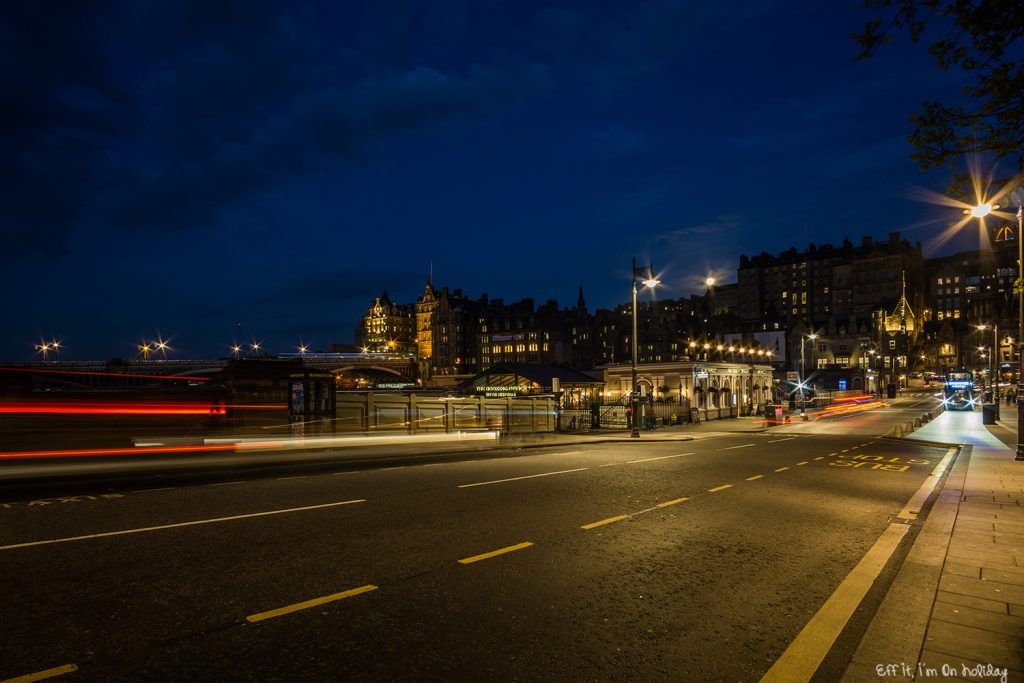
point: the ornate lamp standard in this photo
(803, 406)
(980, 212)
(993, 363)
(650, 282)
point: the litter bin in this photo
(773, 414)
(988, 414)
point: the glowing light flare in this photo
(73, 408)
(981, 210)
(651, 282)
(986, 202)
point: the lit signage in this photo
(502, 392)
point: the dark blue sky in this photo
(175, 168)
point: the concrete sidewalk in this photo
(956, 607)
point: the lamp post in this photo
(651, 283)
(980, 212)
(993, 364)
(803, 406)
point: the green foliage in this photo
(979, 38)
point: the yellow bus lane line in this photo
(782, 469)
(755, 477)
(495, 553)
(720, 488)
(672, 502)
(315, 602)
(43, 675)
(801, 659)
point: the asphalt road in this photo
(698, 560)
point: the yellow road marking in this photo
(41, 675)
(820, 457)
(281, 611)
(913, 506)
(495, 553)
(802, 463)
(782, 469)
(845, 450)
(601, 523)
(719, 488)
(803, 656)
(756, 476)
(671, 502)
(179, 524)
(836, 453)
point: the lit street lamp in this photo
(803, 404)
(44, 348)
(650, 282)
(993, 382)
(980, 211)
(145, 348)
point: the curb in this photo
(897, 631)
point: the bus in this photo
(958, 391)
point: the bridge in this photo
(379, 367)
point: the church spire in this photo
(581, 305)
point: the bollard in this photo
(898, 432)
(917, 422)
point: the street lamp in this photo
(145, 348)
(650, 282)
(980, 211)
(803, 405)
(993, 363)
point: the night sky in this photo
(174, 169)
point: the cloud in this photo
(720, 224)
(60, 111)
(206, 115)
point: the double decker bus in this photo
(958, 391)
